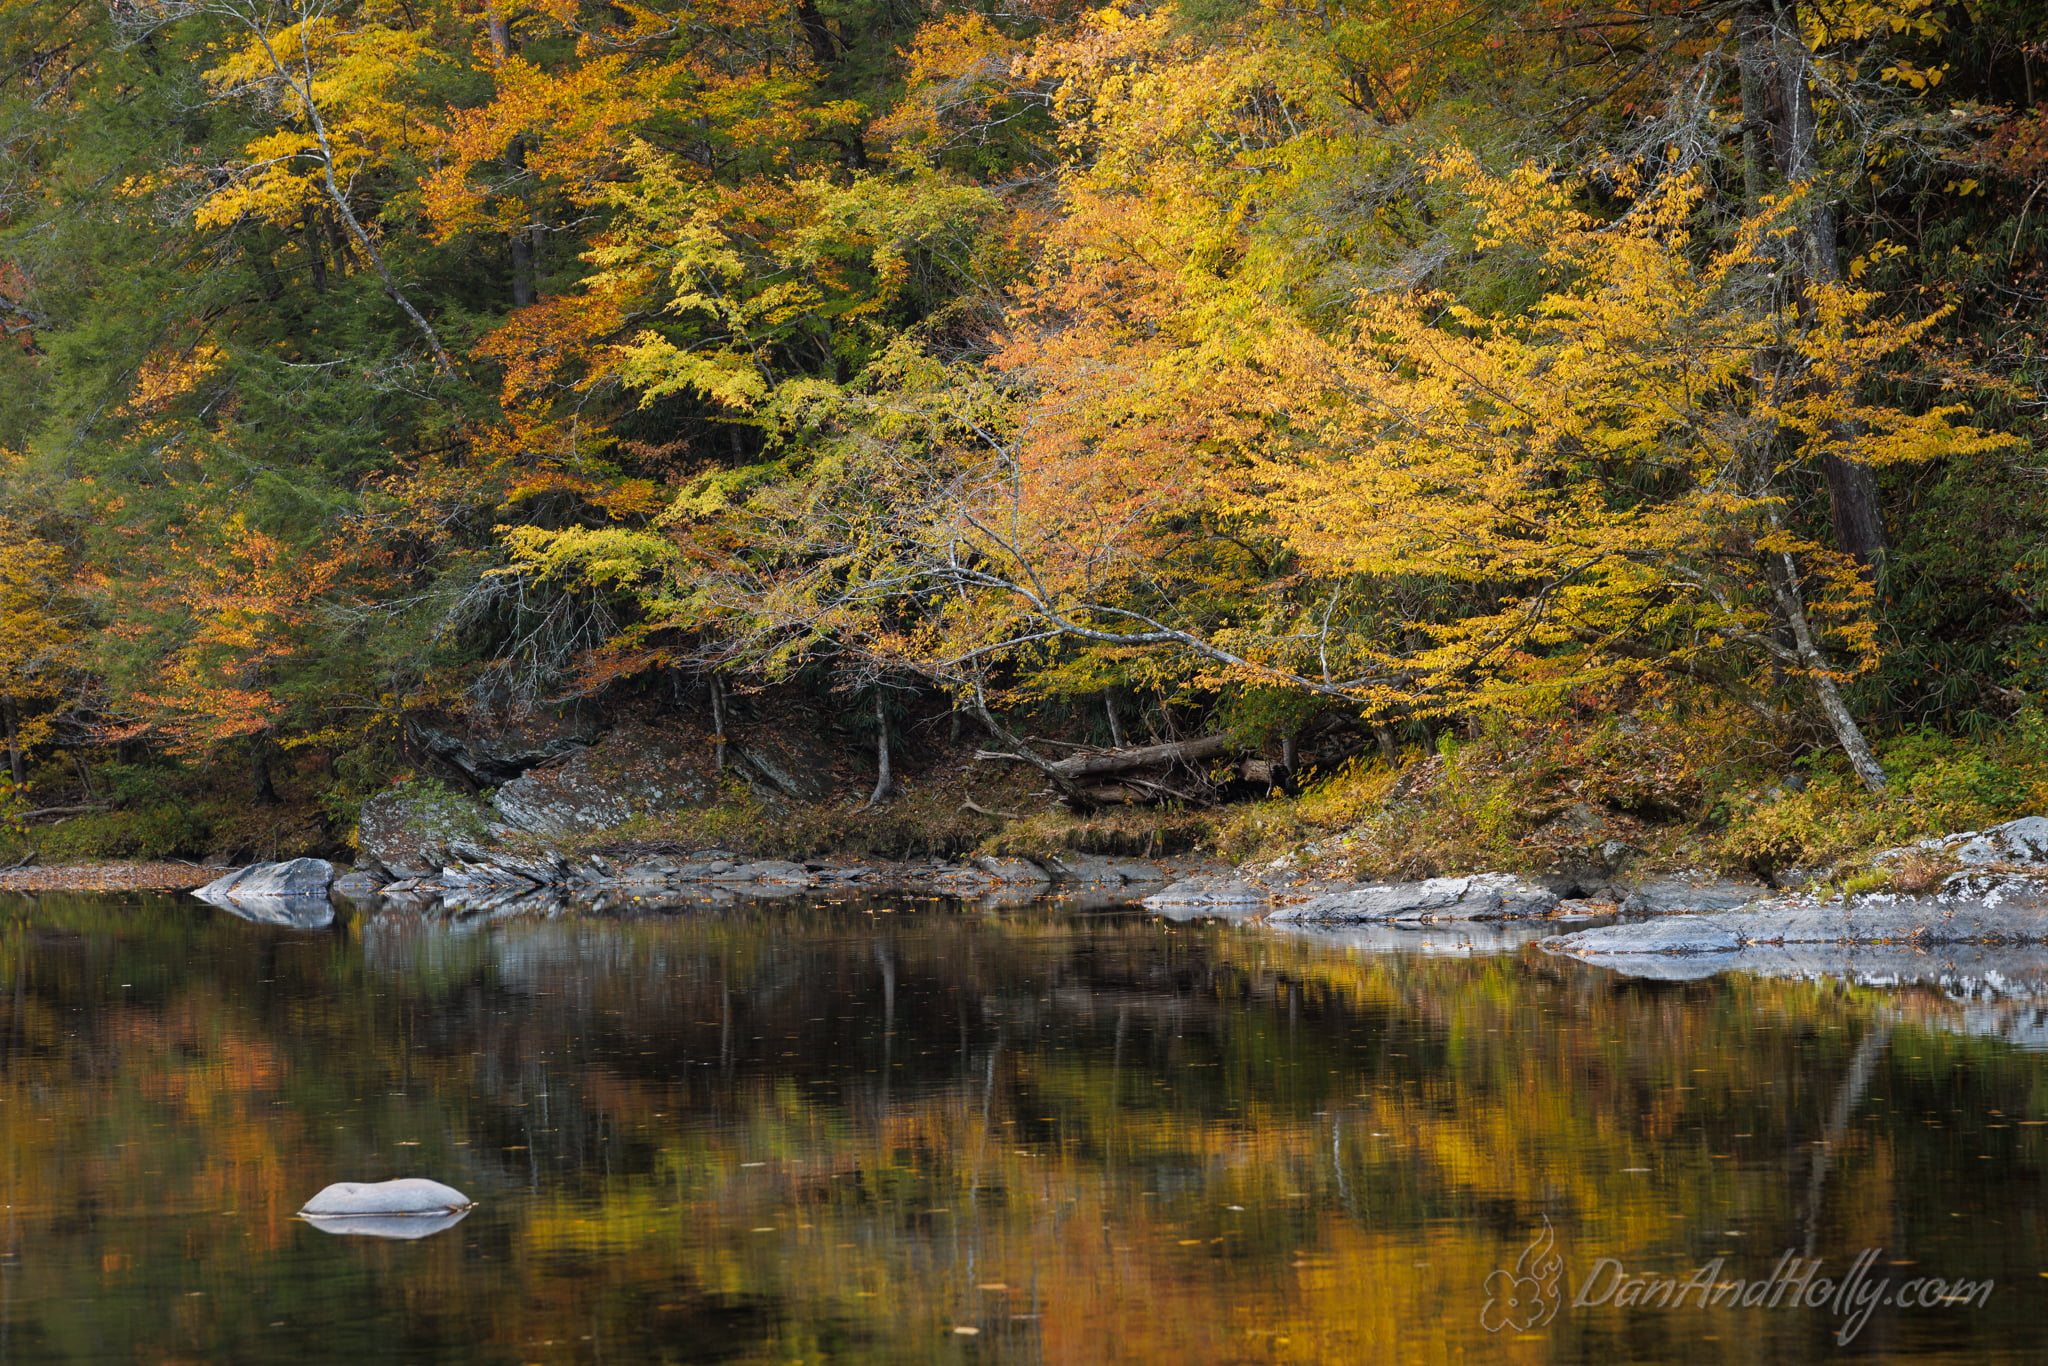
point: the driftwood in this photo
(64, 810)
(1123, 760)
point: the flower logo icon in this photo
(1525, 1297)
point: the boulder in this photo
(635, 770)
(1688, 896)
(409, 827)
(1483, 896)
(409, 1195)
(297, 877)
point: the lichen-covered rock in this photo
(2021, 843)
(1482, 896)
(409, 1195)
(409, 827)
(635, 770)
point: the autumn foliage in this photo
(1421, 362)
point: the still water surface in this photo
(902, 1130)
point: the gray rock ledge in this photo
(1483, 896)
(1900, 921)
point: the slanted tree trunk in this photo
(1848, 734)
(1124, 760)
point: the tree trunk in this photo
(316, 249)
(518, 241)
(1074, 793)
(1123, 760)
(14, 761)
(885, 779)
(823, 51)
(1847, 733)
(522, 268)
(1753, 63)
(259, 771)
(1853, 501)
(717, 725)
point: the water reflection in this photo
(400, 1227)
(900, 1130)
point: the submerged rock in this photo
(408, 1195)
(1483, 896)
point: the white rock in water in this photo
(411, 1195)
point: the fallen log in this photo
(64, 810)
(1123, 760)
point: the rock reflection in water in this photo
(405, 1228)
(756, 1132)
(292, 912)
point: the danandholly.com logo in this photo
(1529, 1294)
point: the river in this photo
(898, 1129)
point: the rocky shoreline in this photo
(1984, 888)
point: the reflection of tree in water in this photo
(1186, 1138)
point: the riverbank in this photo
(107, 877)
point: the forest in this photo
(1458, 409)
